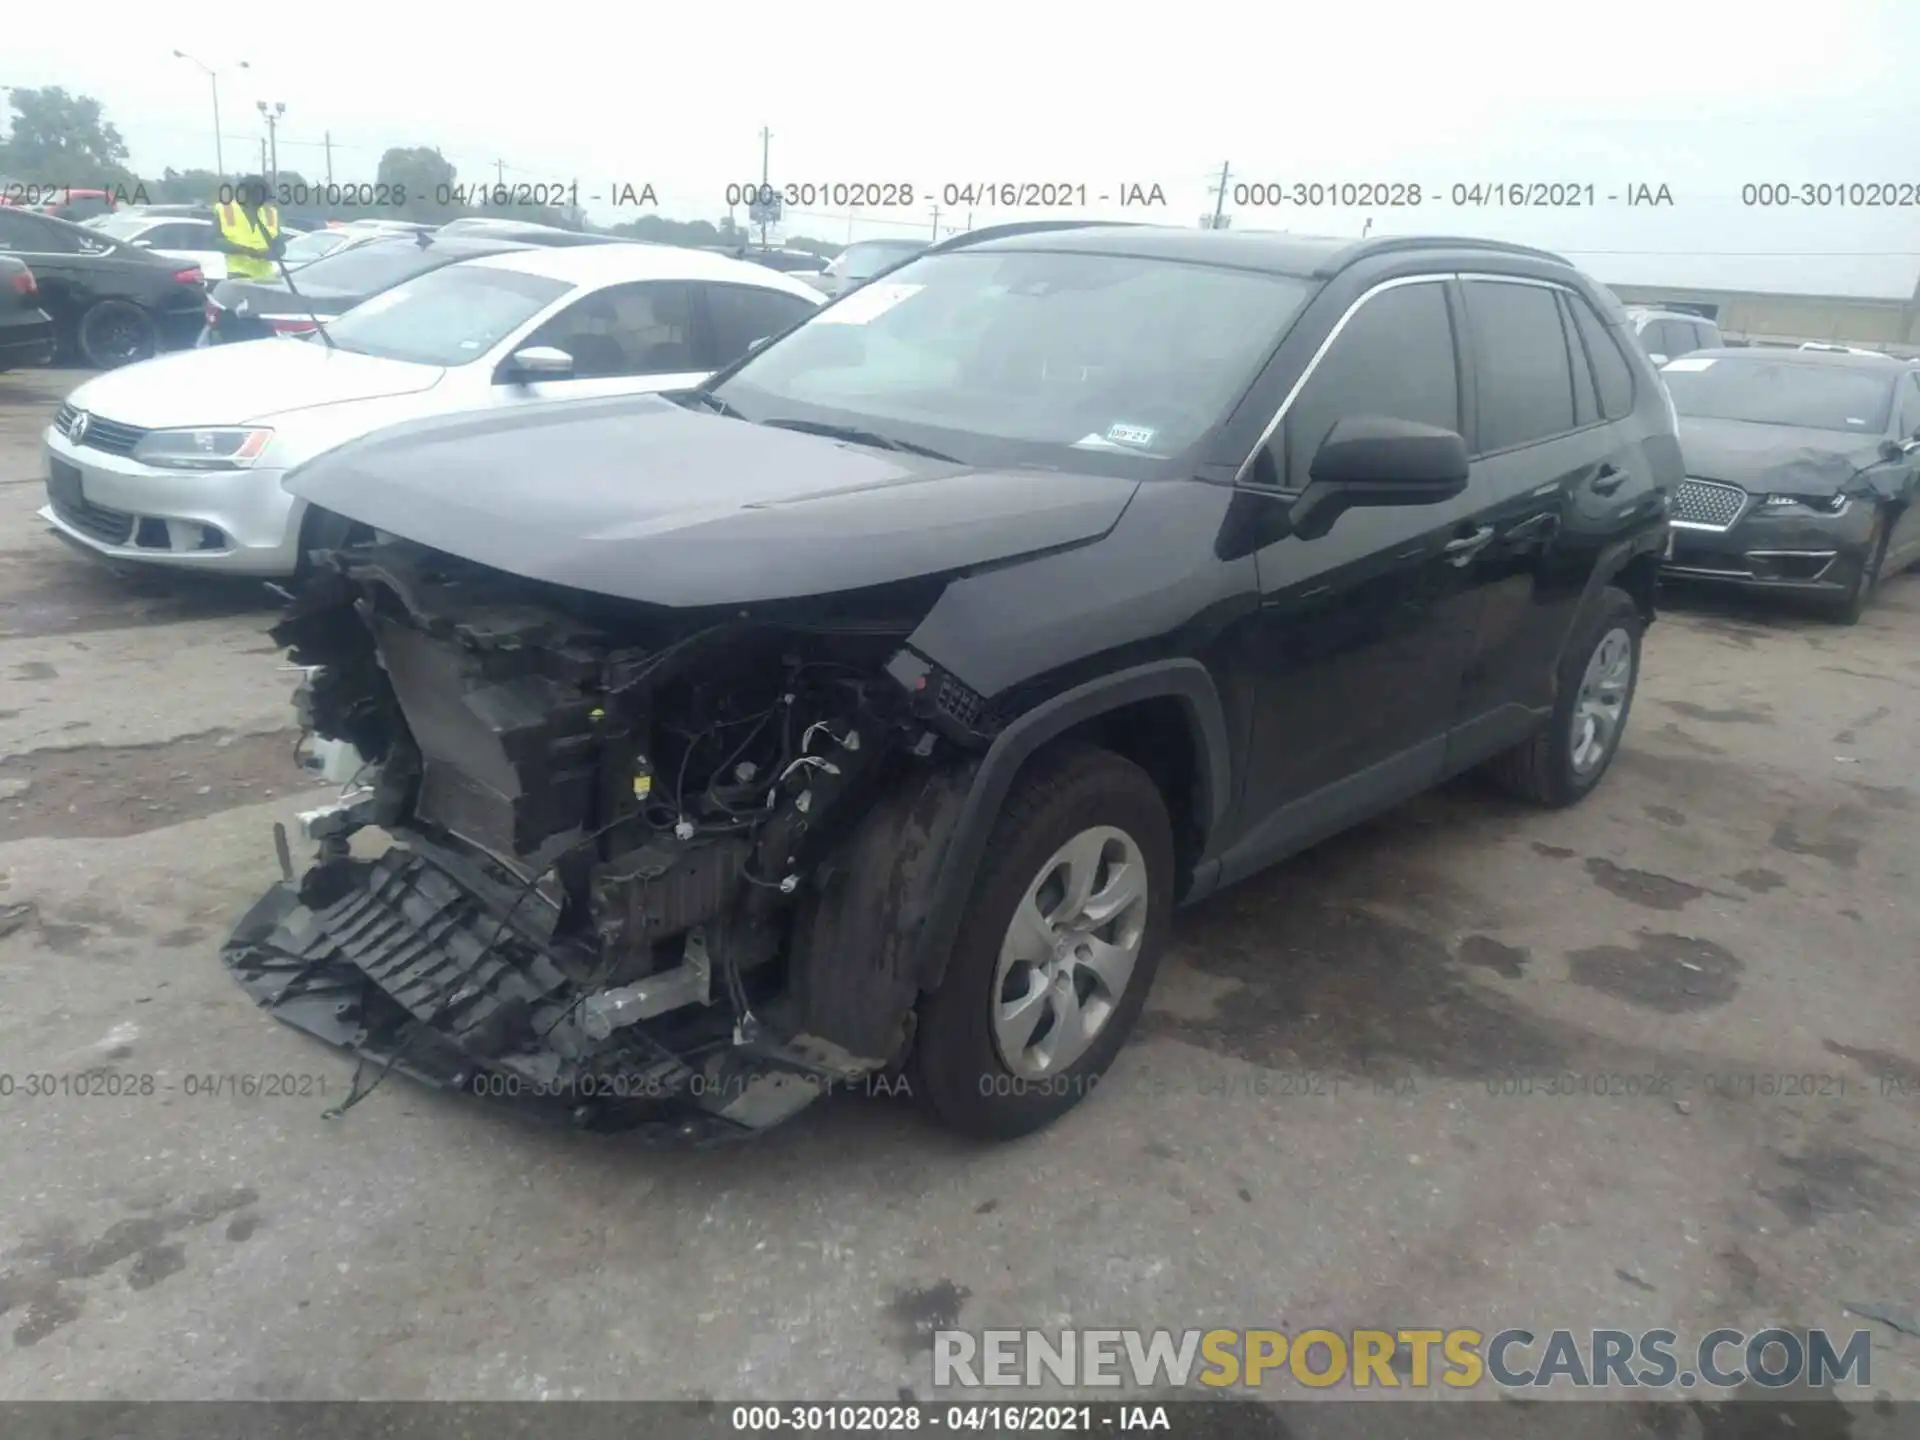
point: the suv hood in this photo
(233, 384)
(1775, 459)
(637, 498)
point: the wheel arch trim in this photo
(1184, 680)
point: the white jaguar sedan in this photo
(177, 460)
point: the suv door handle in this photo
(1610, 479)
(1460, 551)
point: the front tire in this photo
(1562, 761)
(113, 333)
(1063, 933)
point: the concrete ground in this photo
(1337, 1113)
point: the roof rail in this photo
(1387, 244)
(1020, 227)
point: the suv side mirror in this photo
(538, 362)
(1894, 449)
(1374, 460)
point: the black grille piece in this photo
(97, 522)
(960, 702)
(102, 434)
(1708, 502)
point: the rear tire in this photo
(1080, 814)
(113, 333)
(1563, 761)
(1849, 607)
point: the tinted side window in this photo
(639, 329)
(180, 235)
(1525, 380)
(742, 314)
(1395, 357)
(32, 235)
(1586, 407)
(1611, 372)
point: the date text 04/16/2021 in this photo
(107, 1084)
(913, 1416)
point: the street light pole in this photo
(213, 79)
(272, 117)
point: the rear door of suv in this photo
(1552, 474)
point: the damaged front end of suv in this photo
(599, 825)
(643, 812)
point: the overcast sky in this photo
(1701, 96)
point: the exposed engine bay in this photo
(585, 848)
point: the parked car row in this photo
(111, 302)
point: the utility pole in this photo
(936, 222)
(263, 156)
(1220, 191)
(272, 115)
(500, 173)
(329, 143)
(213, 79)
(969, 219)
(766, 140)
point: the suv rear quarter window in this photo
(1523, 375)
(1611, 373)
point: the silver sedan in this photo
(177, 461)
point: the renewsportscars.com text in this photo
(1460, 1358)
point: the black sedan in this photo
(334, 284)
(26, 331)
(1802, 466)
(110, 302)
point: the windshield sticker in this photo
(1130, 434)
(1686, 363)
(866, 303)
(1095, 442)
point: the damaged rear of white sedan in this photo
(869, 709)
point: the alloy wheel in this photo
(1069, 952)
(1601, 705)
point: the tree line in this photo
(55, 138)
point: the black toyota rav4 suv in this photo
(868, 710)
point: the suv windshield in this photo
(449, 316)
(1780, 392)
(1090, 353)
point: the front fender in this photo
(1183, 680)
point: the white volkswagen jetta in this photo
(177, 460)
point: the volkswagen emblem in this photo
(77, 428)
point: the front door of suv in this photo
(1357, 651)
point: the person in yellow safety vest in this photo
(250, 231)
